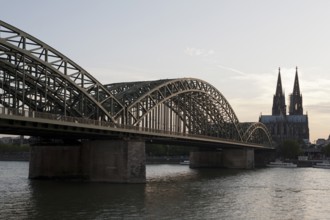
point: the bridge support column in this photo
(263, 157)
(238, 158)
(227, 158)
(205, 159)
(117, 161)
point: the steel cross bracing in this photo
(184, 105)
(37, 76)
(34, 76)
(256, 132)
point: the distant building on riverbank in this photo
(293, 126)
(17, 140)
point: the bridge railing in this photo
(86, 121)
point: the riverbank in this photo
(25, 156)
(305, 163)
(13, 152)
(15, 156)
(165, 160)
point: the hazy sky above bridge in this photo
(235, 45)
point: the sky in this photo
(235, 45)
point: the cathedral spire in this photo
(296, 90)
(296, 98)
(279, 89)
(279, 107)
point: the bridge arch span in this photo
(256, 132)
(37, 77)
(185, 105)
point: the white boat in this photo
(185, 162)
(281, 164)
(324, 165)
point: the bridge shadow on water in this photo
(163, 173)
(82, 200)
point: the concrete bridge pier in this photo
(115, 161)
(240, 158)
(120, 161)
(205, 159)
(237, 158)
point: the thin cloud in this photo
(263, 82)
(233, 70)
(319, 108)
(191, 51)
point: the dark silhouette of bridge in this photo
(44, 93)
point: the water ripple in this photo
(171, 192)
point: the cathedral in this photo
(293, 126)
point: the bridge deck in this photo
(44, 124)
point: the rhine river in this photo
(171, 192)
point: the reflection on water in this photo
(171, 192)
(86, 200)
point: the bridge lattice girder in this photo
(38, 77)
(35, 76)
(256, 132)
(184, 105)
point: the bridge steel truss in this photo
(35, 76)
(184, 105)
(256, 132)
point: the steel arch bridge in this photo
(35, 76)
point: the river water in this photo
(171, 192)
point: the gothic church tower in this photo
(296, 98)
(293, 126)
(279, 107)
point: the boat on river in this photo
(185, 162)
(325, 165)
(282, 164)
